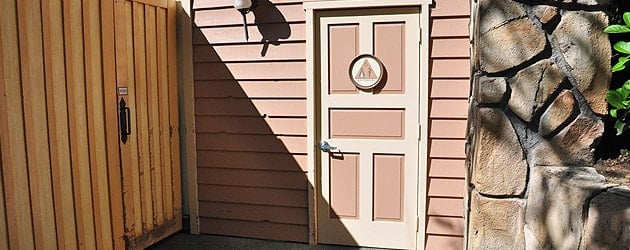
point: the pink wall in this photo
(251, 121)
(449, 79)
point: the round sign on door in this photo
(366, 71)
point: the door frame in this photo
(312, 98)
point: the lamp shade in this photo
(242, 4)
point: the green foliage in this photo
(619, 98)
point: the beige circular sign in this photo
(366, 71)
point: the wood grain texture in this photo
(35, 122)
(57, 109)
(75, 73)
(114, 181)
(14, 166)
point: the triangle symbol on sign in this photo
(366, 71)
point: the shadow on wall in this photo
(250, 115)
(271, 24)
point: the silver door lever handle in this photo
(325, 147)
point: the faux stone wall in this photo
(541, 72)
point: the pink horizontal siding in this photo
(250, 107)
(448, 110)
(250, 100)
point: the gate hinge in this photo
(417, 224)
(419, 132)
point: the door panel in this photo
(149, 154)
(368, 194)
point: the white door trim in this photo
(312, 26)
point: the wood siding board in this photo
(450, 88)
(450, 68)
(456, 27)
(447, 168)
(445, 226)
(230, 35)
(261, 230)
(73, 33)
(249, 52)
(96, 123)
(253, 195)
(252, 160)
(448, 128)
(14, 167)
(262, 15)
(166, 166)
(251, 89)
(448, 108)
(54, 59)
(447, 148)
(251, 125)
(450, 48)
(140, 71)
(451, 188)
(250, 71)
(252, 108)
(252, 178)
(154, 113)
(444, 242)
(229, 3)
(252, 143)
(445, 207)
(450, 8)
(36, 122)
(247, 212)
(111, 124)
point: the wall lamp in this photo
(245, 6)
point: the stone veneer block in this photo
(507, 45)
(500, 167)
(496, 223)
(574, 145)
(545, 13)
(559, 112)
(493, 13)
(608, 223)
(555, 204)
(585, 47)
(491, 90)
(532, 86)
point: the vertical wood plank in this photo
(111, 120)
(14, 168)
(162, 82)
(96, 122)
(73, 33)
(171, 23)
(58, 123)
(129, 150)
(154, 116)
(4, 234)
(143, 122)
(35, 121)
(136, 164)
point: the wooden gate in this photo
(64, 170)
(147, 93)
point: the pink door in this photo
(369, 127)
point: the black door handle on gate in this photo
(125, 121)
